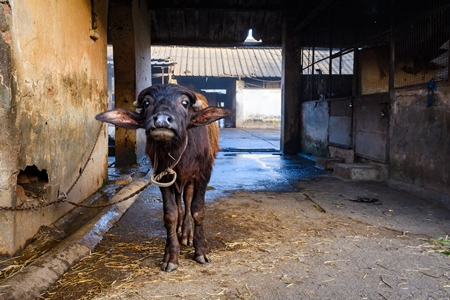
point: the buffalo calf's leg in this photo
(170, 261)
(200, 243)
(180, 214)
(187, 236)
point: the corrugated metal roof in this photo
(247, 62)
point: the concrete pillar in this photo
(290, 91)
(129, 23)
(142, 42)
(120, 22)
(239, 105)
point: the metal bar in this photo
(392, 53)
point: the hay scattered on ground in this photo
(106, 267)
(256, 243)
(43, 241)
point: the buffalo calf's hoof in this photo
(202, 259)
(168, 267)
(187, 242)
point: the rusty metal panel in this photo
(371, 126)
(340, 126)
(340, 131)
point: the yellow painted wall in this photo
(58, 85)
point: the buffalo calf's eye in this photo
(146, 104)
(185, 103)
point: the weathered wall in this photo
(258, 108)
(8, 144)
(420, 138)
(316, 120)
(58, 86)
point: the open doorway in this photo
(245, 79)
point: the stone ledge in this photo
(358, 172)
(327, 163)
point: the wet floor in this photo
(278, 228)
(261, 171)
(250, 160)
(249, 140)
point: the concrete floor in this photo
(249, 140)
(250, 160)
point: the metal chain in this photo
(65, 200)
(107, 204)
(62, 198)
(32, 206)
(87, 161)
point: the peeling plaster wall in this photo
(420, 138)
(60, 84)
(8, 142)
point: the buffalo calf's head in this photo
(166, 112)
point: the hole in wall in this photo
(32, 184)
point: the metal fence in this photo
(421, 49)
(323, 69)
(420, 44)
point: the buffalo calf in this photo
(182, 151)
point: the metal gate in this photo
(340, 125)
(371, 126)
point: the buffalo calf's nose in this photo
(162, 121)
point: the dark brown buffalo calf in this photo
(182, 151)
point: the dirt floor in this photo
(322, 238)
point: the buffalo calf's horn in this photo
(198, 103)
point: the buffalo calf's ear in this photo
(208, 115)
(122, 118)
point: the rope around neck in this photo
(169, 171)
